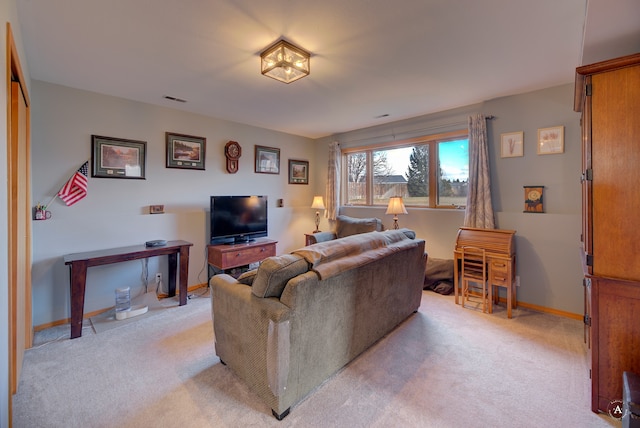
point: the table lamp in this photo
(318, 204)
(396, 206)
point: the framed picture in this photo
(118, 158)
(512, 144)
(156, 209)
(533, 199)
(551, 140)
(185, 151)
(267, 160)
(298, 172)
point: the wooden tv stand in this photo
(228, 256)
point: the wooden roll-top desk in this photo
(500, 250)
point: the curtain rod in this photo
(430, 128)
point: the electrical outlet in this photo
(158, 278)
(517, 280)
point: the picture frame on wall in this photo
(512, 144)
(533, 199)
(118, 158)
(267, 160)
(551, 140)
(298, 171)
(185, 151)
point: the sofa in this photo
(287, 326)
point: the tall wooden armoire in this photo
(608, 95)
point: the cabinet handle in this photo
(499, 278)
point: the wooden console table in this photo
(79, 262)
(228, 256)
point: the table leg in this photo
(455, 278)
(184, 273)
(509, 301)
(173, 262)
(78, 280)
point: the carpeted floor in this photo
(443, 367)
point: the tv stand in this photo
(224, 257)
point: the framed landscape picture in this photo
(185, 151)
(298, 172)
(117, 158)
(267, 160)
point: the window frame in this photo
(431, 141)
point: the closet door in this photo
(19, 221)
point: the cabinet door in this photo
(617, 345)
(615, 157)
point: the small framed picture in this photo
(267, 160)
(117, 158)
(533, 199)
(551, 140)
(512, 144)
(298, 172)
(185, 151)
(156, 209)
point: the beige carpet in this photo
(443, 367)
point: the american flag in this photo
(76, 187)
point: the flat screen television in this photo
(237, 219)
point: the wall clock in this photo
(533, 199)
(232, 151)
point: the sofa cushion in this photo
(274, 272)
(347, 226)
(331, 258)
(248, 277)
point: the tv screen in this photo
(238, 218)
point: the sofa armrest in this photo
(250, 332)
(234, 300)
(321, 237)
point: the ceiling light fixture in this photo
(285, 62)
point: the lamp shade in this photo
(396, 206)
(317, 203)
(285, 62)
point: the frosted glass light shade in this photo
(285, 62)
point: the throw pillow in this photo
(347, 226)
(248, 277)
(274, 273)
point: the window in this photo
(430, 171)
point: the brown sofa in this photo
(289, 325)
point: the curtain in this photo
(333, 182)
(479, 212)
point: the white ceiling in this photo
(402, 58)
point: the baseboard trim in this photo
(538, 308)
(551, 311)
(100, 311)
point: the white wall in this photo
(115, 212)
(547, 244)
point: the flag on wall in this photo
(76, 187)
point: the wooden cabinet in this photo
(608, 95)
(228, 256)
